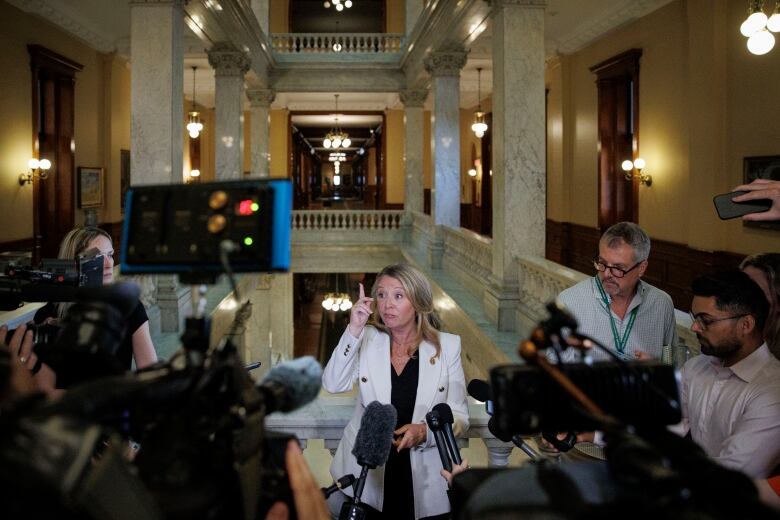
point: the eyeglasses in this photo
(704, 323)
(617, 272)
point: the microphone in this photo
(343, 482)
(372, 447)
(445, 414)
(480, 390)
(515, 439)
(291, 384)
(434, 421)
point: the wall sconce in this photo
(41, 168)
(472, 172)
(638, 164)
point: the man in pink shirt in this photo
(731, 393)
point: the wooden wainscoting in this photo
(672, 266)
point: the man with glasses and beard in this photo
(615, 307)
(731, 393)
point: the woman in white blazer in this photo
(401, 359)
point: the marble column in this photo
(156, 131)
(156, 91)
(260, 8)
(414, 144)
(230, 65)
(444, 66)
(259, 102)
(413, 10)
(518, 150)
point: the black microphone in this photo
(291, 384)
(372, 447)
(515, 439)
(343, 482)
(480, 390)
(445, 414)
(434, 421)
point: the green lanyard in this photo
(620, 343)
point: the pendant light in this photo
(194, 126)
(479, 127)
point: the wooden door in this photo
(53, 84)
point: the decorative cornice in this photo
(413, 98)
(260, 97)
(226, 60)
(445, 62)
(64, 19)
(622, 14)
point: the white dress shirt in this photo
(733, 412)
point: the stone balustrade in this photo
(337, 43)
(326, 417)
(344, 227)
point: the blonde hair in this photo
(73, 244)
(418, 291)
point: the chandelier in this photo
(194, 126)
(479, 127)
(337, 301)
(338, 4)
(336, 138)
(758, 28)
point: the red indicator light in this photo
(60, 278)
(245, 207)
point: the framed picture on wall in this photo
(762, 167)
(124, 176)
(90, 187)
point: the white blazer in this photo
(367, 360)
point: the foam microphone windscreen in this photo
(375, 436)
(445, 413)
(479, 389)
(293, 383)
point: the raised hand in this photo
(360, 313)
(761, 189)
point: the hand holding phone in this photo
(728, 208)
(765, 189)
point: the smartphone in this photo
(727, 208)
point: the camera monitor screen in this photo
(179, 228)
(527, 401)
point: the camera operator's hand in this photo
(456, 469)
(309, 502)
(410, 435)
(21, 346)
(20, 382)
(360, 313)
(761, 189)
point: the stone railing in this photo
(327, 416)
(336, 43)
(468, 257)
(342, 220)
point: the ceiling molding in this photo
(629, 11)
(69, 21)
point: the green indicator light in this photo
(255, 206)
(248, 241)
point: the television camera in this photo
(649, 472)
(198, 417)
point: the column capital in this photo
(413, 98)
(226, 60)
(446, 62)
(260, 97)
(527, 3)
